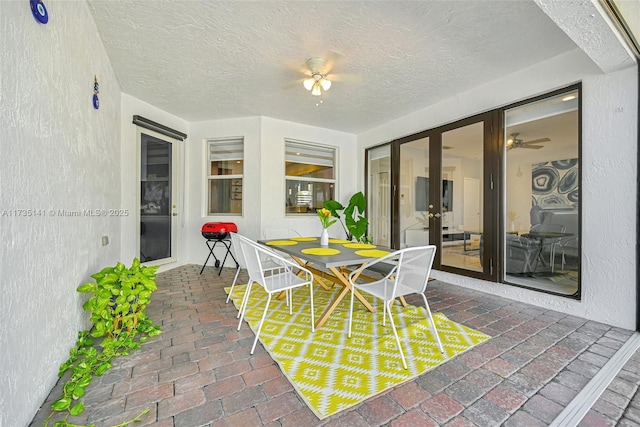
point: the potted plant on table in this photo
(355, 223)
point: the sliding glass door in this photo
(542, 187)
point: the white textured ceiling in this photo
(204, 60)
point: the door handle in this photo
(174, 214)
(437, 215)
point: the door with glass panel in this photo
(441, 197)
(158, 198)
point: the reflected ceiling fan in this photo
(514, 142)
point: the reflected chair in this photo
(287, 276)
(569, 246)
(520, 254)
(551, 242)
(409, 276)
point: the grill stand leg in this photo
(227, 245)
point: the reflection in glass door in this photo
(462, 196)
(156, 198)
(415, 204)
(542, 186)
(379, 194)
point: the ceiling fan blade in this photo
(350, 78)
(536, 141)
(293, 83)
(332, 58)
(296, 67)
(535, 147)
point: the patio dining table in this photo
(338, 259)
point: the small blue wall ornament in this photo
(39, 11)
(96, 90)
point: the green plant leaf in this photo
(104, 367)
(85, 381)
(78, 392)
(333, 206)
(86, 288)
(77, 409)
(61, 404)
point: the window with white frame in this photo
(225, 168)
(310, 176)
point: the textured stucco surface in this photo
(212, 60)
(58, 153)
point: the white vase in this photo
(324, 238)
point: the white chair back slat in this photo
(414, 268)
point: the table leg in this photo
(347, 288)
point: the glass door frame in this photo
(175, 185)
(491, 188)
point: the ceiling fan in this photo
(319, 76)
(514, 142)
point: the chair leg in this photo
(264, 314)
(235, 279)
(351, 310)
(433, 324)
(245, 301)
(313, 322)
(395, 333)
(384, 312)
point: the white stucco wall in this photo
(263, 189)
(609, 152)
(273, 134)
(194, 249)
(58, 153)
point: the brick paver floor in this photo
(199, 372)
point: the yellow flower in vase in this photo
(325, 217)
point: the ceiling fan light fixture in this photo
(325, 83)
(316, 90)
(308, 83)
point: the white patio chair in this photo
(271, 233)
(409, 276)
(278, 280)
(267, 263)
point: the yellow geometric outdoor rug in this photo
(332, 372)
